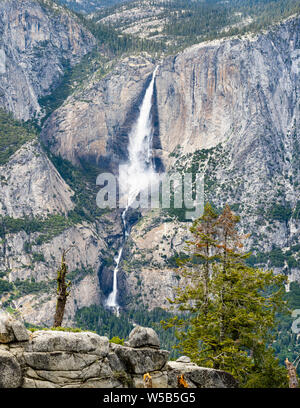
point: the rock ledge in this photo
(56, 359)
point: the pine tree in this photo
(229, 308)
(205, 244)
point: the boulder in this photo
(184, 359)
(143, 337)
(141, 361)
(115, 363)
(11, 329)
(59, 360)
(6, 334)
(10, 371)
(199, 377)
(86, 342)
(19, 330)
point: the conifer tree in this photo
(228, 307)
(205, 245)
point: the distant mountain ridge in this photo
(89, 6)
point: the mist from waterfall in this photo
(137, 174)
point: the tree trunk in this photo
(206, 279)
(62, 292)
(222, 318)
(60, 310)
(292, 374)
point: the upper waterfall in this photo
(139, 171)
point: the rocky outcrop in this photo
(11, 373)
(56, 359)
(38, 201)
(204, 378)
(149, 265)
(37, 39)
(143, 336)
(31, 185)
(84, 260)
(11, 329)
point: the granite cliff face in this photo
(31, 185)
(94, 123)
(37, 38)
(148, 271)
(32, 274)
(243, 107)
(228, 108)
(232, 91)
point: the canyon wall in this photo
(37, 40)
(227, 108)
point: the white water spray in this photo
(137, 174)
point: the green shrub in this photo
(5, 286)
(117, 340)
(72, 79)
(38, 257)
(279, 212)
(26, 287)
(34, 328)
(13, 134)
(80, 273)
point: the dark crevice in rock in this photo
(156, 142)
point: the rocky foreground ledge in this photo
(57, 359)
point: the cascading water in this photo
(137, 174)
